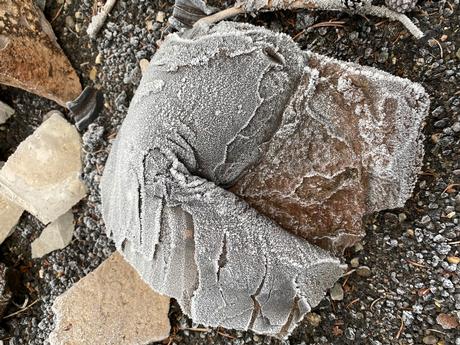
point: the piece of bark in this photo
(110, 306)
(357, 148)
(43, 175)
(30, 57)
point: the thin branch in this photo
(99, 19)
(221, 15)
(21, 310)
(401, 327)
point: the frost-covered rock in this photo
(350, 143)
(198, 121)
(43, 174)
(240, 106)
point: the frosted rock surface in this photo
(43, 174)
(110, 306)
(199, 120)
(350, 143)
(56, 235)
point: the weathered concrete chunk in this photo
(110, 306)
(56, 235)
(43, 175)
(30, 57)
(5, 112)
(9, 217)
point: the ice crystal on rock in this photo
(350, 144)
(207, 111)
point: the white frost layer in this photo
(209, 101)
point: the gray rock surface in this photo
(189, 132)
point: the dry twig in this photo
(21, 310)
(401, 327)
(99, 19)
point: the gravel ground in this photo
(408, 279)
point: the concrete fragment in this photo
(5, 112)
(110, 306)
(43, 175)
(30, 57)
(9, 217)
(56, 235)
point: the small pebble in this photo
(430, 340)
(354, 262)
(160, 17)
(313, 319)
(363, 271)
(336, 292)
(453, 260)
(93, 74)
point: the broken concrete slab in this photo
(5, 112)
(56, 235)
(110, 306)
(43, 175)
(30, 57)
(9, 217)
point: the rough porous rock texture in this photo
(30, 57)
(350, 144)
(43, 175)
(198, 120)
(110, 306)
